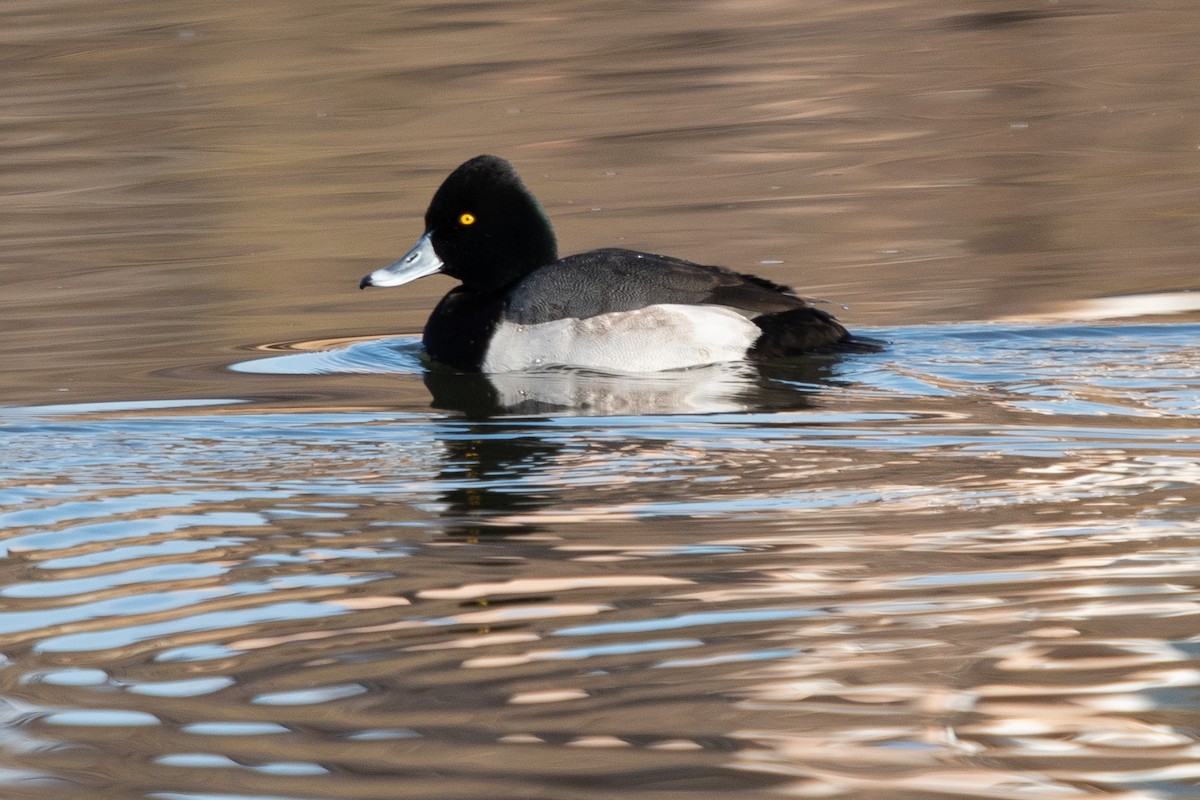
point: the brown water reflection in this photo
(877, 594)
(184, 179)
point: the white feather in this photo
(650, 339)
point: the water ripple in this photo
(966, 565)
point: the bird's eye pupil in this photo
(467, 219)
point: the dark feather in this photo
(610, 280)
(806, 330)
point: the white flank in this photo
(650, 339)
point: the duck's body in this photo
(519, 307)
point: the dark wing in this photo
(605, 281)
(609, 280)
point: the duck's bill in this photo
(418, 262)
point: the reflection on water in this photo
(183, 181)
(713, 389)
(963, 569)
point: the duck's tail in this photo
(800, 331)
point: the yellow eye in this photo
(467, 219)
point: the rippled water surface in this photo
(253, 548)
(965, 567)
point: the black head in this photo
(486, 227)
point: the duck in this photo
(519, 307)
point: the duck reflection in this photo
(501, 461)
(504, 442)
(732, 387)
(718, 388)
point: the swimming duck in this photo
(521, 307)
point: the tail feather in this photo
(799, 331)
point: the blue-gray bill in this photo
(418, 262)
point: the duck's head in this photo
(482, 227)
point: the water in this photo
(964, 566)
(254, 548)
